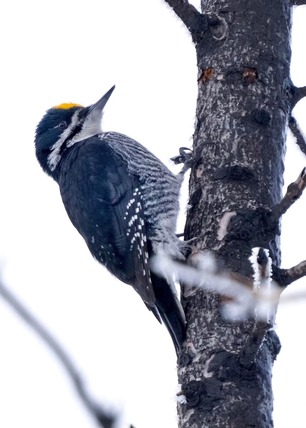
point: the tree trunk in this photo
(244, 97)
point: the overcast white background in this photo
(63, 51)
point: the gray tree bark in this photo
(245, 97)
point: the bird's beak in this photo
(93, 116)
(98, 107)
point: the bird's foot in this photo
(185, 157)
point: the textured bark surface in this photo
(243, 52)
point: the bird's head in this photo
(64, 125)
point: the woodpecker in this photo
(121, 199)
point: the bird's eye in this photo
(62, 125)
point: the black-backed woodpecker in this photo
(121, 199)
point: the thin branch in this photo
(240, 299)
(190, 16)
(104, 419)
(297, 133)
(298, 2)
(297, 94)
(294, 191)
(285, 277)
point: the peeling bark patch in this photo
(224, 222)
(199, 171)
(206, 372)
(230, 368)
(249, 75)
(204, 394)
(206, 74)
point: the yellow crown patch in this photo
(67, 106)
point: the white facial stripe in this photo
(91, 126)
(54, 157)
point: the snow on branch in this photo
(294, 191)
(297, 133)
(262, 268)
(103, 418)
(244, 300)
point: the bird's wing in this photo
(104, 203)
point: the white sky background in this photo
(67, 50)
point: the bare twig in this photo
(294, 191)
(104, 419)
(297, 93)
(297, 133)
(244, 299)
(298, 2)
(190, 16)
(285, 277)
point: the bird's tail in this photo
(170, 310)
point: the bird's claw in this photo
(185, 156)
